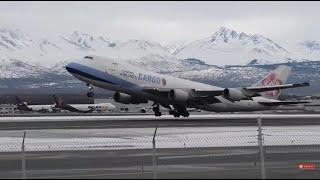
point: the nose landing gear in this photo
(90, 92)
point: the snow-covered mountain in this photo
(309, 50)
(13, 39)
(13, 68)
(168, 64)
(86, 42)
(40, 61)
(16, 44)
(224, 47)
(175, 45)
(228, 47)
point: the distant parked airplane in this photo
(83, 108)
(23, 106)
(133, 85)
(59, 104)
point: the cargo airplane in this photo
(133, 85)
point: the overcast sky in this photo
(283, 22)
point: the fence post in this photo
(260, 141)
(154, 169)
(23, 157)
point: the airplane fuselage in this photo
(42, 108)
(101, 107)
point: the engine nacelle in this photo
(128, 99)
(178, 96)
(235, 94)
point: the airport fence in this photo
(202, 152)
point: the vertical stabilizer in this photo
(277, 77)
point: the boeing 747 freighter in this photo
(133, 85)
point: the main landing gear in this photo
(176, 111)
(90, 92)
(179, 111)
(156, 110)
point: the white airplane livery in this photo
(133, 85)
(61, 105)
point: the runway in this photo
(146, 121)
(171, 163)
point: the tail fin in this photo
(277, 77)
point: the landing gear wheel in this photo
(157, 114)
(156, 110)
(185, 114)
(176, 114)
(90, 94)
(179, 111)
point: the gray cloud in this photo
(284, 22)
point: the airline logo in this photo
(271, 80)
(149, 78)
(144, 77)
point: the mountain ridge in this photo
(29, 62)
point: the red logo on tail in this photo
(271, 80)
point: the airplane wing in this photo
(275, 87)
(209, 93)
(198, 96)
(278, 103)
(154, 90)
(199, 93)
(205, 96)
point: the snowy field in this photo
(141, 138)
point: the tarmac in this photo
(281, 161)
(170, 163)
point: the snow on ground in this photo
(141, 138)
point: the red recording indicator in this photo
(308, 166)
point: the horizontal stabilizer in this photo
(278, 103)
(276, 87)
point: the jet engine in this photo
(235, 94)
(128, 99)
(178, 96)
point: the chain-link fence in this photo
(164, 152)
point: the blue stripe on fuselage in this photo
(94, 74)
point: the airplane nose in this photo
(75, 67)
(72, 66)
(69, 66)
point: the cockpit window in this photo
(88, 57)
